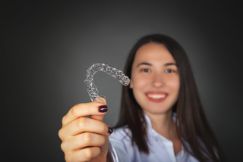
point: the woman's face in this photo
(155, 80)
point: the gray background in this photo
(46, 48)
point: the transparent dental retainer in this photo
(113, 72)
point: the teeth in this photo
(156, 96)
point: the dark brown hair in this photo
(193, 129)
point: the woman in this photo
(161, 117)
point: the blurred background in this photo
(46, 48)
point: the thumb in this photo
(103, 102)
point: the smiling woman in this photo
(161, 116)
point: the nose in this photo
(158, 80)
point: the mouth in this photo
(156, 96)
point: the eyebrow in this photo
(170, 63)
(149, 64)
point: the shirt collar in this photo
(151, 130)
(155, 135)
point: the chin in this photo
(157, 110)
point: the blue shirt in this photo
(161, 148)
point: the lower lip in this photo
(156, 100)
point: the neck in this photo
(163, 124)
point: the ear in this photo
(131, 84)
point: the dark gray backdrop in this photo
(46, 48)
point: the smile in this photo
(156, 96)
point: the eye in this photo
(169, 71)
(145, 70)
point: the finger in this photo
(82, 125)
(83, 140)
(85, 154)
(98, 117)
(85, 109)
(100, 100)
(103, 101)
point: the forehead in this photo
(153, 52)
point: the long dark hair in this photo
(192, 124)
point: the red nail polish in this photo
(103, 108)
(110, 130)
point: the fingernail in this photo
(103, 108)
(110, 130)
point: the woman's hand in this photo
(84, 135)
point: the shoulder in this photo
(122, 133)
(121, 139)
(120, 144)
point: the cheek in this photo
(139, 82)
(175, 85)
